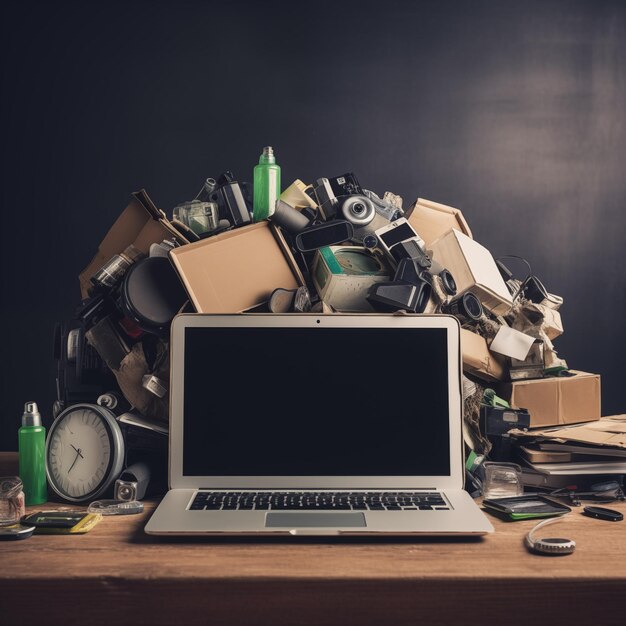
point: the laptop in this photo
(303, 425)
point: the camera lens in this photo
(448, 282)
(467, 306)
(472, 305)
(370, 241)
(359, 210)
(124, 493)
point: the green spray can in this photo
(32, 447)
(266, 185)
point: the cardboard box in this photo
(140, 224)
(555, 401)
(432, 220)
(478, 360)
(236, 270)
(474, 269)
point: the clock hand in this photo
(78, 450)
(75, 459)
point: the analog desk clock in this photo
(84, 452)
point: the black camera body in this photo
(496, 422)
(232, 203)
(82, 375)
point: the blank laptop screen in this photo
(316, 402)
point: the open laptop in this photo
(316, 425)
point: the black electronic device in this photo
(81, 374)
(393, 296)
(230, 197)
(292, 220)
(345, 185)
(600, 512)
(466, 307)
(497, 421)
(528, 506)
(411, 249)
(411, 271)
(448, 282)
(152, 294)
(394, 233)
(325, 234)
(534, 290)
(325, 198)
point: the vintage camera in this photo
(328, 192)
(230, 197)
(361, 212)
(385, 238)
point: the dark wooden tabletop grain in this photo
(118, 574)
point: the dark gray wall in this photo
(513, 111)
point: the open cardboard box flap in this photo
(431, 220)
(140, 224)
(608, 431)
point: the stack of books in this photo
(574, 454)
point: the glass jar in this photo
(12, 501)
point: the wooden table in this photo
(116, 574)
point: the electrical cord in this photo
(552, 546)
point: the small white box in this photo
(473, 269)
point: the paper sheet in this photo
(512, 343)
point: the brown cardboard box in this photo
(478, 360)
(236, 270)
(474, 269)
(140, 224)
(431, 220)
(554, 401)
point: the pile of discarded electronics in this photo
(329, 247)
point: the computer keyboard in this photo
(318, 501)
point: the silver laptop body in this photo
(300, 406)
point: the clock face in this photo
(84, 452)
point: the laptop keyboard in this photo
(317, 501)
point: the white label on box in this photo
(511, 342)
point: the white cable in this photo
(549, 545)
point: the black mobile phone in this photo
(599, 512)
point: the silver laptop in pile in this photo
(316, 425)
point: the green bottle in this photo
(266, 185)
(32, 446)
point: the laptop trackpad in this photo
(315, 520)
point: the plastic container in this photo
(32, 453)
(11, 500)
(266, 185)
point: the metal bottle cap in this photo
(268, 155)
(32, 416)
